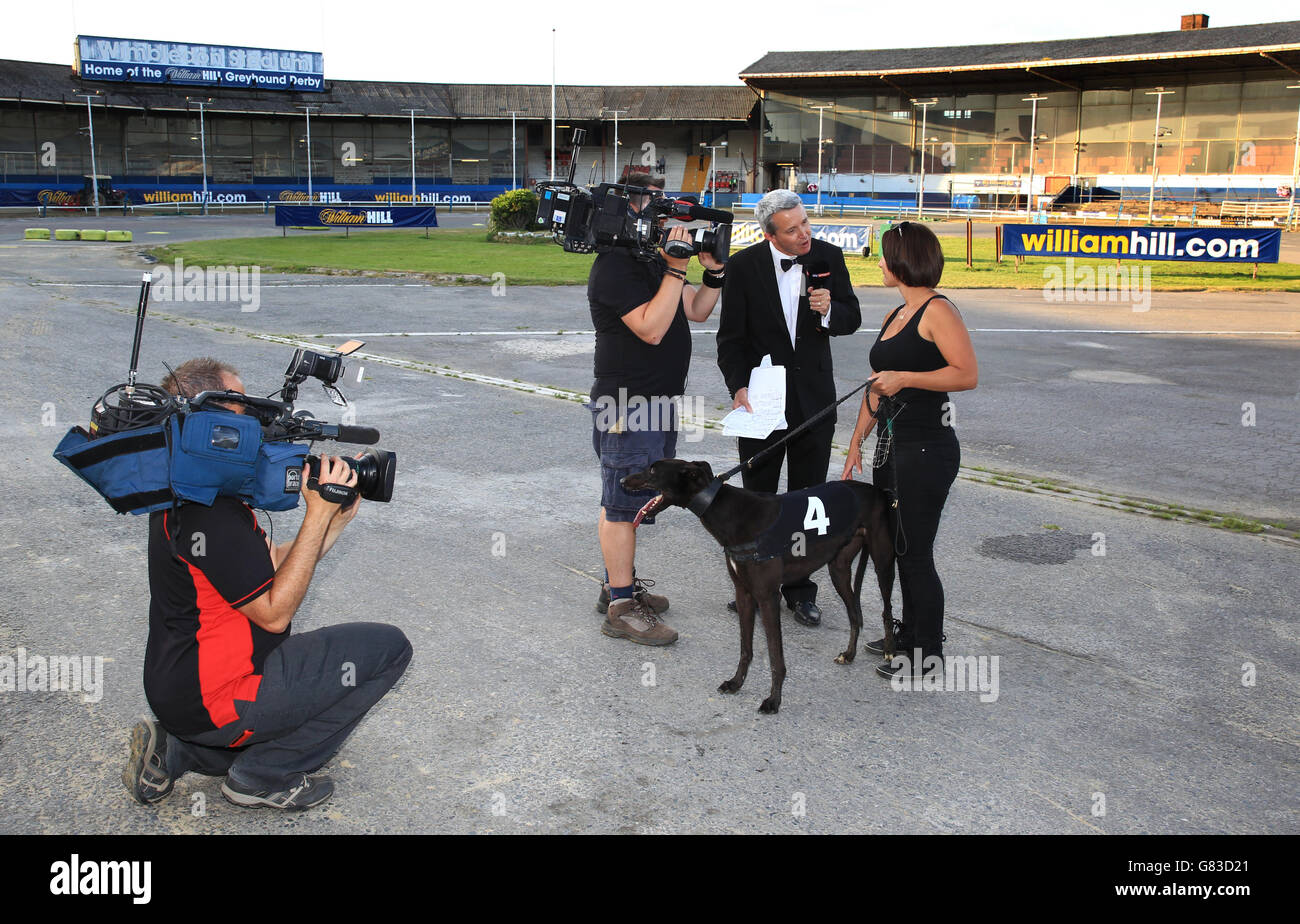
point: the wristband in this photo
(712, 280)
(680, 274)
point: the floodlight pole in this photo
(203, 149)
(94, 173)
(616, 112)
(925, 105)
(1159, 93)
(1033, 145)
(1295, 161)
(712, 176)
(413, 112)
(552, 103)
(514, 147)
(305, 106)
(821, 112)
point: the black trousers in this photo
(316, 686)
(925, 473)
(809, 456)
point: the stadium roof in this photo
(1273, 46)
(32, 82)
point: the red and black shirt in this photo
(203, 654)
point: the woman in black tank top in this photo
(923, 352)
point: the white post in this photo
(1033, 146)
(552, 103)
(413, 112)
(308, 108)
(821, 111)
(925, 105)
(1159, 93)
(203, 153)
(1295, 162)
(94, 172)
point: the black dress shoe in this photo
(807, 613)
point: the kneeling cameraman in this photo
(234, 693)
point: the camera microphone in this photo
(363, 436)
(685, 208)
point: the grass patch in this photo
(462, 256)
(467, 256)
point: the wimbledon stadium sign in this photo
(138, 61)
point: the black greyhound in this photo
(776, 539)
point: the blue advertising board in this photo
(164, 194)
(1197, 245)
(140, 61)
(845, 237)
(344, 216)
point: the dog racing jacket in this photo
(806, 520)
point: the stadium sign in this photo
(1197, 245)
(139, 61)
(335, 216)
(845, 237)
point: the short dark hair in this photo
(196, 375)
(646, 179)
(912, 253)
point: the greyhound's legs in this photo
(745, 609)
(770, 607)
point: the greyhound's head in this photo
(676, 480)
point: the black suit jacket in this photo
(753, 325)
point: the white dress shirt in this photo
(789, 283)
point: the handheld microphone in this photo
(818, 274)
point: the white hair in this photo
(778, 200)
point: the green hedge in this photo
(514, 211)
(37, 234)
(119, 236)
(63, 234)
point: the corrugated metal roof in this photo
(1281, 37)
(56, 83)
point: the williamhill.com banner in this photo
(1198, 245)
(389, 216)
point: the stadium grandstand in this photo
(1197, 123)
(151, 147)
(965, 119)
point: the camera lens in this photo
(376, 470)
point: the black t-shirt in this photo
(618, 283)
(203, 654)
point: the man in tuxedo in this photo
(787, 296)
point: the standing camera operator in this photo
(234, 693)
(643, 350)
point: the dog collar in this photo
(701, 502)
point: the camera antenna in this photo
(141, 307)
(579, 136)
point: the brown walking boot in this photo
(630, 619)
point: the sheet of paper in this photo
(766, 397)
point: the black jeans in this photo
(315, 688)
(925, 473)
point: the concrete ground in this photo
(1149, 689)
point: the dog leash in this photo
(701, 501)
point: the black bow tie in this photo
(786, 264)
